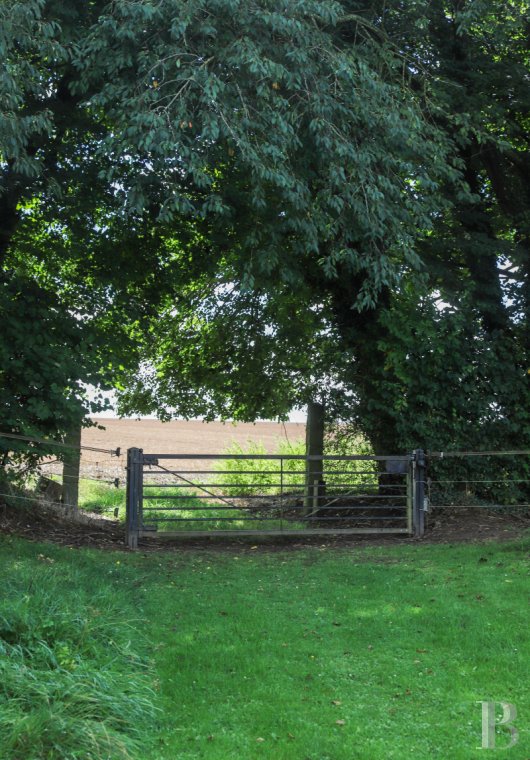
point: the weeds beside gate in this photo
(259, 494)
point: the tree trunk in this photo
(8, 224)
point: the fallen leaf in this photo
(340, 722)
(260, 739)
(336, 702)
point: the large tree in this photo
(142, 143)
(184, 170)
(477, 255)
(441, 357)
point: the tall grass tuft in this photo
(72, 684)
(102, 498)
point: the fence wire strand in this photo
(48, 442)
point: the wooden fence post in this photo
(134, 495)
(71, 470)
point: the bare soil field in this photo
(177, 437)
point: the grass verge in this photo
(73, 680)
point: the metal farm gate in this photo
(191, 495)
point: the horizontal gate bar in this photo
(214, 507)
(252, 497)
(257, 534)
(291, 516)
(287, 473)
(264, 519)
(279, 457)
(286, 485)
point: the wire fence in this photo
(454, 480)
(57, 444)
(487, 480)
(100, 481)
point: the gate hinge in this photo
(149, 460)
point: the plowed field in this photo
(179, 437)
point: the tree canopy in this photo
(446, 343)
(255, 201)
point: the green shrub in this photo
(248, 477)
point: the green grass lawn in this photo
(314, 654)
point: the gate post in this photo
(418, 507)
(410, 494)
(314, 445)
(71, 469)
(134, 495)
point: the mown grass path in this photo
(323, 654)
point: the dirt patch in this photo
(42, 523)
